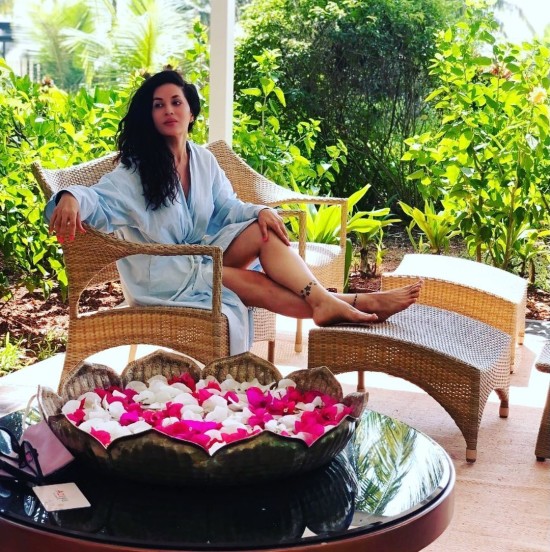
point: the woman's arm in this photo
(110, 204)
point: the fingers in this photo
(269, 219)
(65, 220)
(263, 229)
(280, 230)
(79, 226)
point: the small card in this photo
(64, 496)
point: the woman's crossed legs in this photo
(288, 286)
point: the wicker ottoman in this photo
(455, 359)
(542, 448)
(477, 290)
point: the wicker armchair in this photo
(90, 261)
(327, 262)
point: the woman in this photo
(167, 189)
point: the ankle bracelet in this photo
(354, 301)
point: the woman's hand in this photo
(65, 220)
(268, 219)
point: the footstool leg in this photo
(504, 409)
(471, 455)
(542, 448)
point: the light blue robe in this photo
(211, 215)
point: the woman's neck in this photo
(178, 147)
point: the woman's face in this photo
(171, 112)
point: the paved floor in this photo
(528, 386)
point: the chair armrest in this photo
(301, 216)
(90, 253)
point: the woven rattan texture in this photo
(90, 260)
(542, 447)
(449, 283)
(455, 359)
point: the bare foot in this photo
(335, 311)
(386, 303)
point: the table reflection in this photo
(388, 469)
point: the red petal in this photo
(104, 437)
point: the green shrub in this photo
(489, 161)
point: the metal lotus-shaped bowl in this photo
(159, 458)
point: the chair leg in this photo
(132, 354)
(542, 448)
(298, 340)
(360, 380)
(271, 351)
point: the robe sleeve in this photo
(107, 206)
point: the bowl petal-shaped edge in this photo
(163, 459)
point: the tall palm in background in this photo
(101, 41)
(6, 7)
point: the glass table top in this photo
(388, 473)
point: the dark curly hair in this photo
(142, 147)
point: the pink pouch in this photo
(52, 453)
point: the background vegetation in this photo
(415, 107)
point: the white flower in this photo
(275, 427)
(229, 384)
(145, 397)
(98, 414)
(88, 425)
(162, 396)
(120, 431)
(214, 434)
(181, 387)
(90, 399)
(138, 386)
(212, 402)
(169, 421)
(116, 409)
(158, 377)
(70, 406)
(289, 420)
(315, 403)
(284, 383)
(188, 414)
(231, 425)
(185, 398)
(219, 414)
(215, 446)
(538, 95)
(138, 427)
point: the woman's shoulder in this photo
(122, 174)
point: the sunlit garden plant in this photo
(489, 160)
(436, 227)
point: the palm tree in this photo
(101, 41)
(6, 7)
(39, 27)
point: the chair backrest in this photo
(52, 181)
(249, 185)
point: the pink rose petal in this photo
(104, 437)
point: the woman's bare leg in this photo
(286, 268)
(256, 289)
